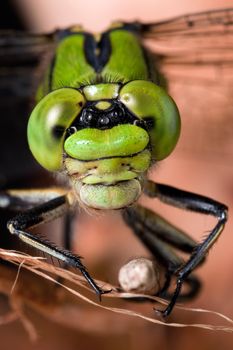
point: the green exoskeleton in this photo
(103, 117)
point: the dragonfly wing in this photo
(195, 54)
(213, 21)
(22, 58)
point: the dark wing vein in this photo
(191, 24)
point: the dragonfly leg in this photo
(68, 230)
(161, 237)
(197, 203)
(42, 214)
(23, 199)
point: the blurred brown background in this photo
(100, 240)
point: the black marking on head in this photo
(150, 122)
(116, 114)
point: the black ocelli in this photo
(116, 114)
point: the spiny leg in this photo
(197, 203)
(23, 199)
(42, 214)
(159, 236)
(67, 235)
(19, 200)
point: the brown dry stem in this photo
(76, 286)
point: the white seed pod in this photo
(139, 275)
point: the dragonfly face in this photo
(103, 118)
(103, 135)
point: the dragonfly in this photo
(103, 117)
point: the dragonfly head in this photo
(107, 153)
(105, 137)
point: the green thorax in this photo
(126, 61)
(81, 59)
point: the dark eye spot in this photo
(150, 122)
(140, 123)
(58, 131)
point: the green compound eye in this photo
(145, 99)
(48, 122)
